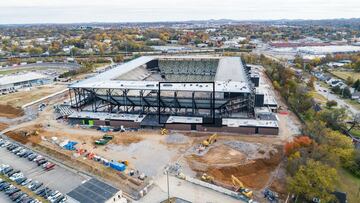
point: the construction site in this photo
(202, 93)
(226, 161)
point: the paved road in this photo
(59, 179)
(326, 93)
(184, 190)
(4, 198)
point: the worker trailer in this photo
(202, 93)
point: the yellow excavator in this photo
(207, 178)
(164, 131)
(241, 188)
(210, 140)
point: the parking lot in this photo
(58, 178)
(4, 198)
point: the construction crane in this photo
(164, 131)
(210, 140)
(240, 187)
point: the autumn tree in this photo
(118, 58)
(340, 146)
(55, 47)
(298, 142)
(314, 179)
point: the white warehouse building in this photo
(11, 83)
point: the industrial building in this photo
(95, 191)
(11, 83)
(203, 93)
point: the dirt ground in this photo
(251, 158)
(253, 168)
(9, 111)
(3, 126)
(25, 96)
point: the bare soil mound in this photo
(223, 161)
(24, 137)
(3, 126)
(10, 112)
(254, 175)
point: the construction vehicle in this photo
(240, 187)
(270, 195)
(125, 162)
(104, 140)
(164, 131)
(210, 140)
(207, 178)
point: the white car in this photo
(16, 176)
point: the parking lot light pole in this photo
(168, 187)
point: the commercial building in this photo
(11, 83)
(203, 93)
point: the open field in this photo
(355, 132)
(353, 103)
(349, 184)
(16, 70)
(318, 97)
(345, 74)
(9, 111)
(22, 97)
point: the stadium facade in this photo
(203, 93)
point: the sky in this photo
(83, 11)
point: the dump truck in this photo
(104, 140)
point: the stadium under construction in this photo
(203, 93)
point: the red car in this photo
(49, 167)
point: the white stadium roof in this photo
(230, 76)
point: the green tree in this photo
(346, 93)
(356, 84)
(331, 104)
(334, 118)
(356, 66)
(314, 180)
(336, 89)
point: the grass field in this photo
(355, 132)
(15, 70)
(349, 184)
(318, 97)
(345, 74)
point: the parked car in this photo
(26, 182)
(15, 196)
(49, 166)
(41, 162)
(32, 157)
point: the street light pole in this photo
(168, 187)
